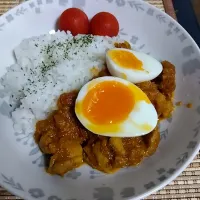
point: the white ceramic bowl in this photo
(149, 30)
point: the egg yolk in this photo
(108, 102)
(125, 59)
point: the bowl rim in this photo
(178, 171)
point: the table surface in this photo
(187, 185)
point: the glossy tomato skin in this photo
(74, 20)
(104, 24)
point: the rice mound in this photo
(48, 66)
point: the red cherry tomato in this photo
(103, 24)
(74, 20)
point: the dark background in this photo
(188, 15)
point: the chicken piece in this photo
(163, 106)
(66, 121)
(103, 160)
(120, 162)
(166, 80)
(42, 127)
(150, 89)
(99, 155)
(68, 125)
(48, 142)
(67, 99)
(124, 45)
(120, 159)
(152, 141)
(89, 157)
(61, 167)
(117, 145)
(70, 148)
(135, 150)
(67, 157)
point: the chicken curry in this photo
(70, 145)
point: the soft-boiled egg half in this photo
(133, 66)
(115, 107)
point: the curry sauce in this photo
(69, 144)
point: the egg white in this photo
(152, 67)
(142, 113)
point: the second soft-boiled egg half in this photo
(115, 107)
(131, 65)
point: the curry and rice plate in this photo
(50, 71)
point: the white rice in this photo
(46, 67)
